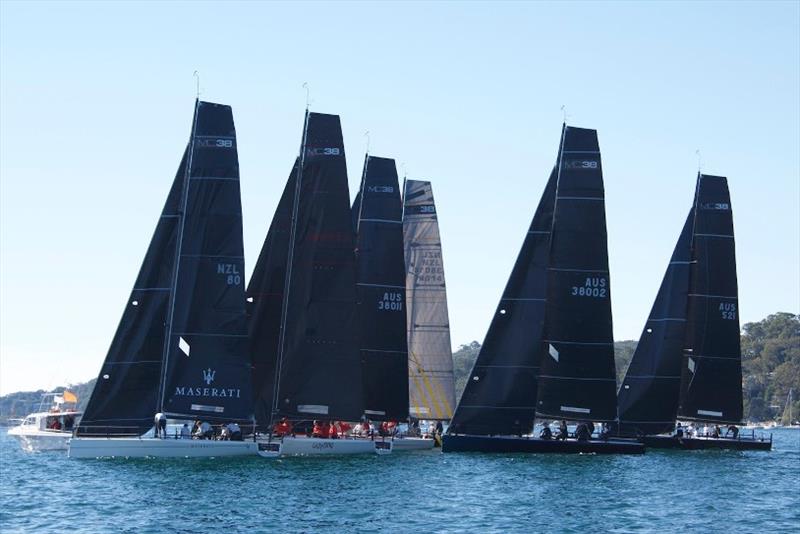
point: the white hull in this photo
(158, 448)
(41, 440)
(412, 444)
(304, 446)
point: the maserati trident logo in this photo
(208, 376)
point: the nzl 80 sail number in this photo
(594, 286)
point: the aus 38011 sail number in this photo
(594, 286)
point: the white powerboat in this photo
(47, 430)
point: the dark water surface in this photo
(406, 492)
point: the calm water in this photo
(409, 492)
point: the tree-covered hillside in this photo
(770, 365)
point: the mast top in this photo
(308, 95)
(196, 75)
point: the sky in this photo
(96, 104)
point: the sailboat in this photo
(687, 364)
(381, 277)
(549, 350)
(181, 345)
(430, 357)
(787, 412)
(303, 305)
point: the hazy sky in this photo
(96, 106)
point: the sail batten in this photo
(430, 359)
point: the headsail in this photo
(319, 363)
(711, 377)
(430, 358)
(125, 396)
(265, 301)
(577, 376)
(381, 291)
(648, 396)
(500, 395)
(206, 371)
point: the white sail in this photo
(430, 360)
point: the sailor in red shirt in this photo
(282, 427)
(332, 431)
(317, 432)
(344, 427)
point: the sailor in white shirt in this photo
(234, 432)
(185, 432)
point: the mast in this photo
(289, 261)
(577, 376)
(176, 264)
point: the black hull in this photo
(694, 444)
(506, 444)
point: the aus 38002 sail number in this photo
(594, 286)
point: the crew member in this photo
(582, 432)
(679, 431)
(733, 429)
(563, 433)
(234, 431)
(333, 432)
(282, 428)
(546, 433)
(185, 432)
(160, 421)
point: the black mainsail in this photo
(711, 376)
(648, 396)
(181, 347)
(430, 358)
(500, 395)
(265, 303)
(577, 373)
(381, 291)
(318, 363)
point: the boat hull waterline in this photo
(158, 448)
(305, 446)
(412, 444)
(510, 444)
(739, 444)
